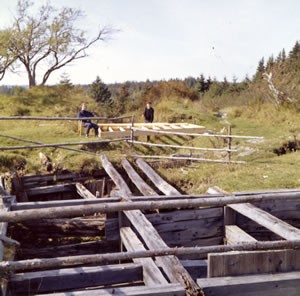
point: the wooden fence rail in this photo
(109, 207)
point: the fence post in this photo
(132, 131)
(229, 142)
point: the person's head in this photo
(83, 106)
(148, 105)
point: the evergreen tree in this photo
(295, 52)
(65, 81)
(283, 55)
(260, 70)
(270, 63)
(100, 92)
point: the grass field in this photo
(263, 169)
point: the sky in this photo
(164, 39)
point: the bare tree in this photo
(48, 40)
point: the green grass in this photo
(263, 169)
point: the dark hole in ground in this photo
(290, 146)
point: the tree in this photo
(48, 40)
(100, 92)
(6, 59)
(260, 70)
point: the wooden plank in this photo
(267, 220)
(84, 192)
(253, 262)
(151, 273)
(235, 235)
(253, 285)
(60, 203)
(57, 262)
(85, 248)
(74, 278)
(173, 217)
(142, 186)
(3, 232)
(51, 189)
(161, 184)
(166, 290)
(171, 264)
(116, 177)
(184, 202)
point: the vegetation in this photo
(248, 106)
(44, 42)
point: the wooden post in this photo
(132, 130)
(229, 142)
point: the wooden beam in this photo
(253, 285)
(74, 278)
(115, 176)
(50, 189)
(183, 147)
(161, 184)
(256, 196)
(171, 264)
(58, 262)
(165, 290)
(190, 158)
(253, 262)
(84, 192)
(267, 220)
(142, 186)
(235, 235)
(151, 273)
(90, 209)
(184, 132)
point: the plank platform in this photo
(118, 130)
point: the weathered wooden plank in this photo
(51, 189)
(142, 186)
(253, 285)
(235, 235)
(171, 264)
(161, 184)
(75, 278)
(184, 202)
(115, 176)
(267, 220)
(151, 273)
(54, 228)
(57, 262)
(253, 262)
(184, 215)
(3, 230)
(166, 290)
(85, 248)
(84, 192)
(61, 203)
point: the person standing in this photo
(88, 124)
(148, 115)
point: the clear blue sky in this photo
(162, 39)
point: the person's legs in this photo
(88, 126)
(95, 127)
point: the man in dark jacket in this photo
(149, 115)
(86, 122)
